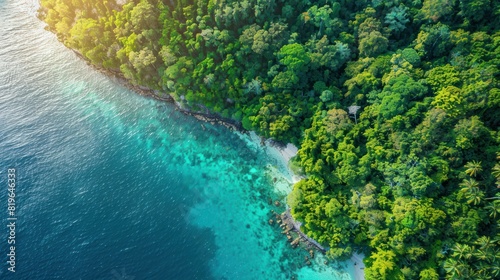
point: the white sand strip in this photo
(288, 152)
(359, 266)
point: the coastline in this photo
(359, 266)
(287, 153)
(279, 151)
(150, 93)
(284, 153)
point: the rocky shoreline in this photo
(145, 91)
(294, 235)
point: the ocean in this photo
(109, 184)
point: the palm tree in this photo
(474, 196)
(482, 274)
(469, 183)
(496, 172)
(473, 168)
(470, 188)
(456, 269)
(462, 251)
(452, 269)
(482, 255)
(484, 242)
(494, 208)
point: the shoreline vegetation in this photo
(288, 223)
(291, 228)
(394, 105)
(151, 93)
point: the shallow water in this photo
(113, 185)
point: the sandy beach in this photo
(357, 259)
(359, 266)
(288, 152)
(283, 156)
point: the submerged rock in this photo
(295, 243)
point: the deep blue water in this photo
(113, 185)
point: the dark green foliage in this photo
(397, 19)
(395, 106)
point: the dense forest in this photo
(395, 105)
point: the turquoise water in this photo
(113, 185)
